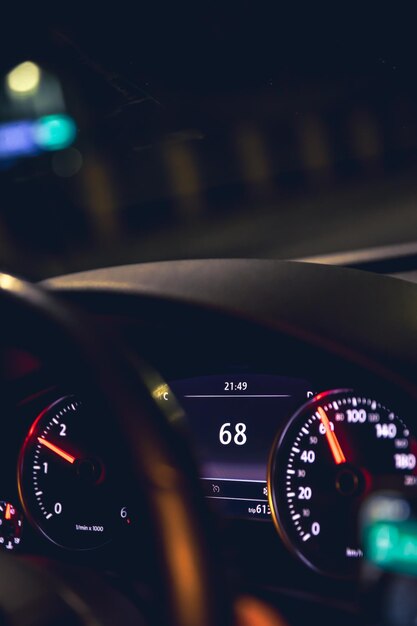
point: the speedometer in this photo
(334, 451)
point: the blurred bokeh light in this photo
(24, 79)
(67, 163)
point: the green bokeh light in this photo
(54, 132)
(392, 546)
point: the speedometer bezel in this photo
(275, 514)
(272, 467)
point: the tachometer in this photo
(66, 486)
(334, 451)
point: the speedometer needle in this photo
(64, 455)
(332, 440)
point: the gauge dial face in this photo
(11, 524)
(65, 484)
(336, 450)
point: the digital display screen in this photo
(233, 421)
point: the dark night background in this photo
(248, 130)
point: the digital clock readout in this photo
(230, 385)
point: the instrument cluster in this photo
(273, 450)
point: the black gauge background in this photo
(278, 462)
(89, 436)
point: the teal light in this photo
(54, 132)
(392, 546)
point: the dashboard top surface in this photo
(361, 316)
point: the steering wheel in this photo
(191, 588)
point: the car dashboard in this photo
(294, 386)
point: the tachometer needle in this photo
(64, 455)
(332, 440)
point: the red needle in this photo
(332, 440)
(58, 451)
(8, 514)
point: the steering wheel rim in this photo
(192, 586)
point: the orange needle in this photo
(8, 514)
(58, 451)
(332, 440)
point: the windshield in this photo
(125, 140)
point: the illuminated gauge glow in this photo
(66, 487)
(336, 450)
